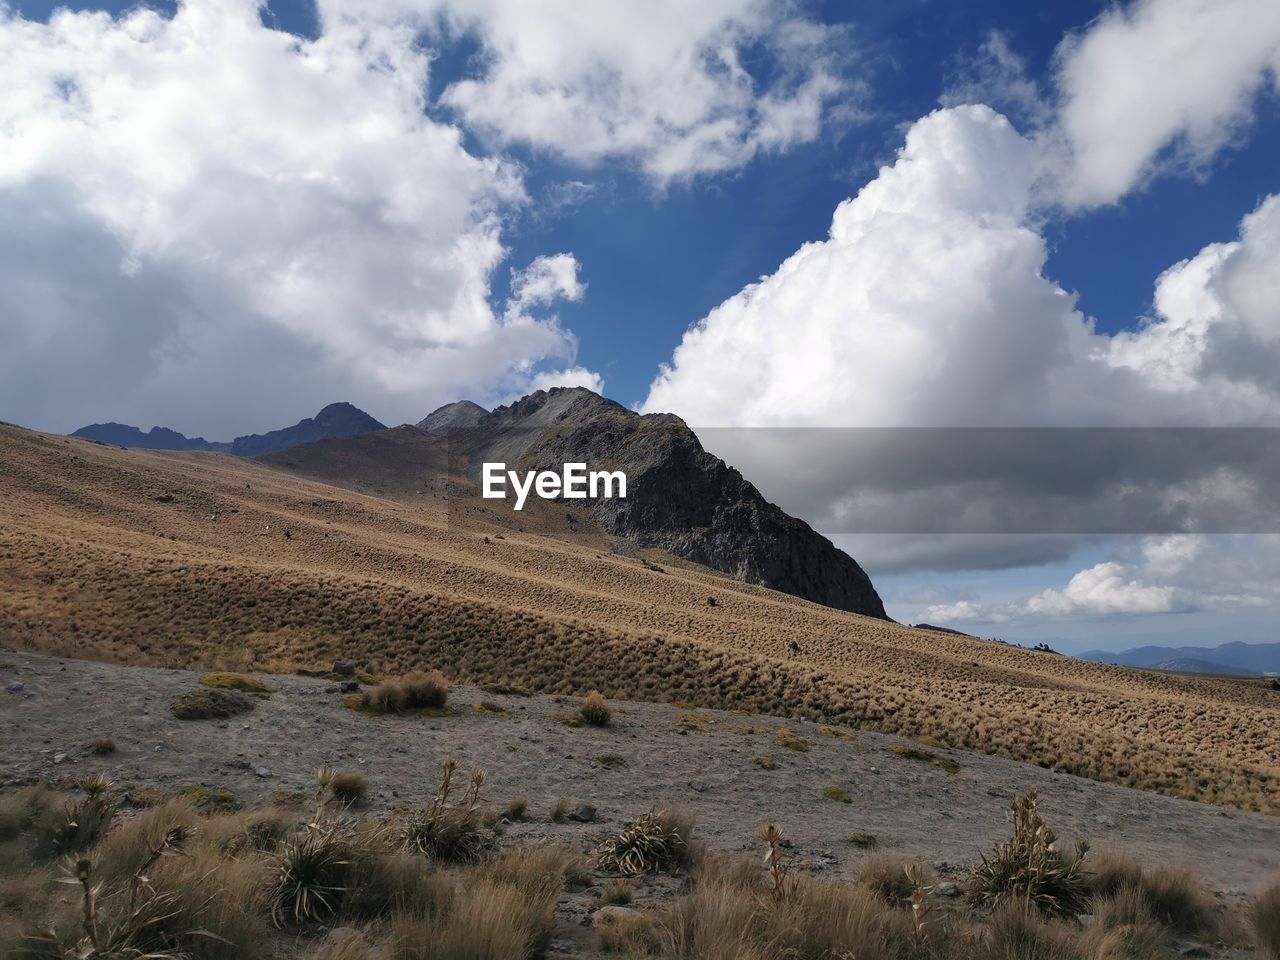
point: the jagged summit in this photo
(681, 498)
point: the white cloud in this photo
(1160, 82)
(674, 86)
(1104, 589)
(1155, 575)
(546, 280)
(926, 305)
(209, 218)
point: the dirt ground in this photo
(654, 755)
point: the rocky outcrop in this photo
(680, 498)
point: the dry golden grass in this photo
(92, 564)
(174, 882)
(1264, 917)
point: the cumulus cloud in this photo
(1102, 590)
(1157, 575)
(1159, 83)
(925, 305)
(680, 89)
(203, 216)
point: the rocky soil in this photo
(702, 761)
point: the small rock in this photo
(698, 785)
(584, 813)
(1194, 950)
(263, 772)
(16, 687)
(59, 758)
(351, 686)
(947, 889)
(238, 764)
(344, 668)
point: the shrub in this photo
(1030, 869)
(349, 788)
(655, 842)
(766, 763)
(102, 747)
(449, 832)
(505, 909)
(236, 681)
(1264, 916)
(1018, 932)
(836, 794)
(345, 944)
(383, 882)
(619, 893)
(594, 711)
(210, 703)
(415, 691)
(888, 877)
(864, 840)
(1172, 896)
(730, 916)
(793, 741)
(560, 812)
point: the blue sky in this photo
(426, 199)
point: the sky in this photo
(219, 216)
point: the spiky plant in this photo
(1031, 870)
(775, 860)
(310, 876)
(446, 831)
(79, 824)
(653, 842)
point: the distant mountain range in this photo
(1234, 657)
(335, 420)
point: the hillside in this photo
(680, 499)
(183, 559)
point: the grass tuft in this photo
(236, 681)
(210, 703)
(595, 712)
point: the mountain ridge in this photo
(334, 420)
(1233, 657)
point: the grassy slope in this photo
(241, 563)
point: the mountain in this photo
(335, 420)
(1234, 657)
(199, 560)
(680, 498)
(157, 438)
(453, 416)
(1190, 665)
